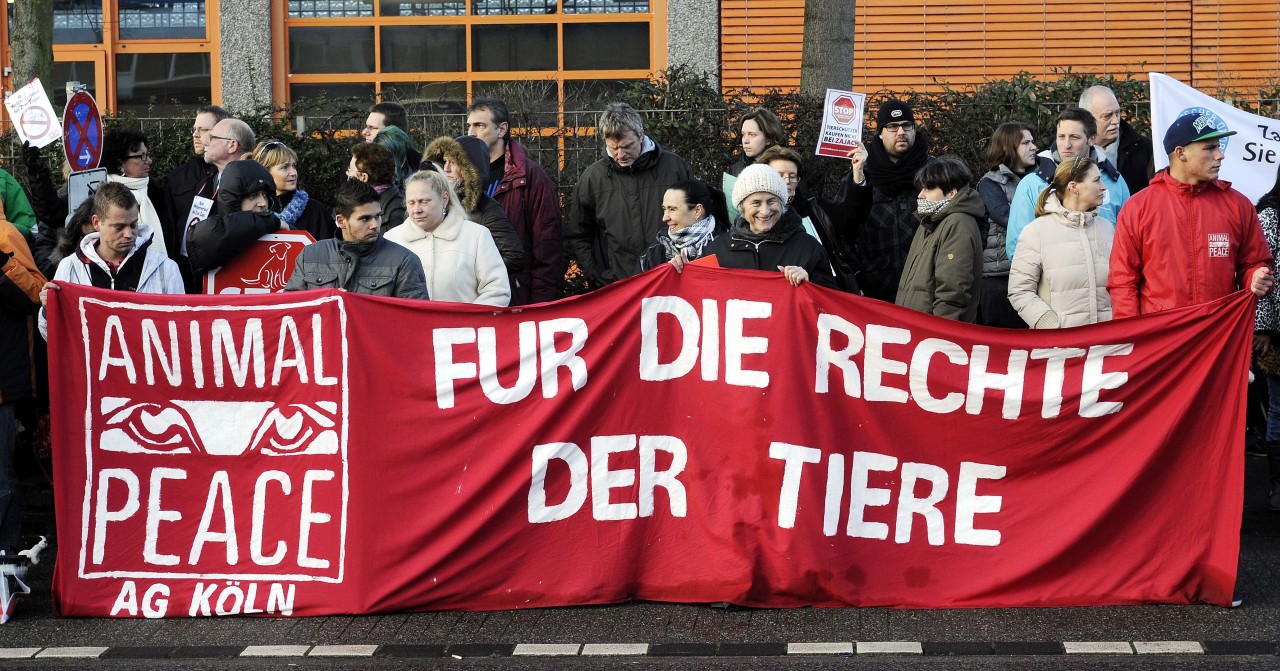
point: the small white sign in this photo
(200, 209)
(82, 185)
(841, 123)
(33, 116)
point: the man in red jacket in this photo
(1189, 238)
(528, 197)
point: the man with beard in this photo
(882, 179)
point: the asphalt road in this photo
(698, 636)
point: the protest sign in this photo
(705, 436)
(263, 268)
(841, 123)
(1251, 156)
(33, 115)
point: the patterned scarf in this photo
(928, 207)
(690, 240)
(294, 210)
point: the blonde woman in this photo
(297, 208)
(459, 257)
(1058, 276)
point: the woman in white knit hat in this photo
(769, 236)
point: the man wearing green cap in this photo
(1189, 238)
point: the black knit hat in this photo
(893, 111)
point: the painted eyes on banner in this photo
(155, 428)
(293, 429)
(218, 428)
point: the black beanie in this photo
(893, 111)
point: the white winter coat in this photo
(460, 260)
(159, 273)
(1058, 276)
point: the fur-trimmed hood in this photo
(472, 158)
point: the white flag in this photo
(1251, 156)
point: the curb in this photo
(798, 649)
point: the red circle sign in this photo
(82, 132)
(844, 110)
(35, 123)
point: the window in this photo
(438, 54)
(144, 56)
(162, 84)
(172, 20)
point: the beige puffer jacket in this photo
(1058, 277)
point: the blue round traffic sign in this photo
(82, 132)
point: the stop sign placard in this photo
(841, 123)
(844, 109)
(263, 268)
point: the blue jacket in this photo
(1022, 209)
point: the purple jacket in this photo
(529, 198)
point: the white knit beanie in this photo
(756, 178)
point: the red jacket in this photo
(1178, 244)
(529, 198)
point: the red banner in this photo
(709, 436)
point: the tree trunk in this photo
(31, 35)
(827, 60)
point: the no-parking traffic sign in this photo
(82, 132)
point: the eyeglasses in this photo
(272, 144)
(196, 130)
(219, 137)
(144, 156)
(900, 126)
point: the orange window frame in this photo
(282, 78)
(104, 53)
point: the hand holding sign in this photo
(841, 123)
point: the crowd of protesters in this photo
(1077, 234)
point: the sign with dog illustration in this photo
(263, 268)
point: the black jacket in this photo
(316, 218)
(182, 184)
(393, 210)
(1136, 158)
(789, 245)
(617, 213)
(829, 219)
(17, 331)
(215, 241)
(656, 254)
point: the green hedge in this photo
(684, 111)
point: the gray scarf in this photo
(690, 240)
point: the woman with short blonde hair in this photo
(296, 207)
(459, 258)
